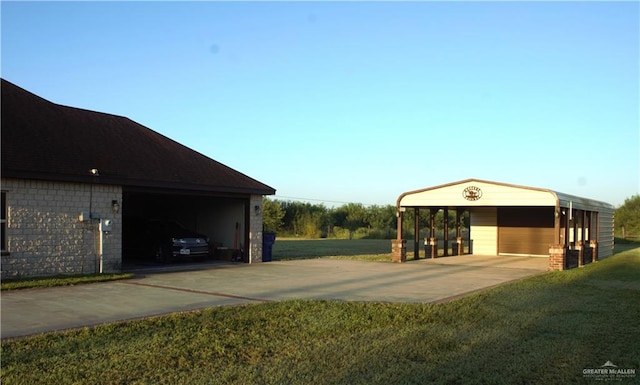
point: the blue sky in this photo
(356, 101)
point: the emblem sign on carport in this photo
(472, 193)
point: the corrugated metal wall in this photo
(605, 234)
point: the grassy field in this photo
(361, 249)
(372, 249)
(543, 330)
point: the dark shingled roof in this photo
(44, 140)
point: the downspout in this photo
(101, 247)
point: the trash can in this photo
(454, 248)
(268, 239)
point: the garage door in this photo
(525, 230)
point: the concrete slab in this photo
(35, 311)
(508, 261)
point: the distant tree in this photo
(309, 224)
(338, 216)
(627, 217)
(272, 215)
(291, 210)
(356, 217)
(381, 220)
(304, 219)
(351, 219)
(381, 217)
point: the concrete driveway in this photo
(27, 312)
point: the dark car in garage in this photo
(164, 240)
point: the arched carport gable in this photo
(496, 194)
(476, 192)
(466, 195)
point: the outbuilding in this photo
(74, 180)
(491, 218)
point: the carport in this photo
(507, 220)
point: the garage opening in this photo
(182, 228)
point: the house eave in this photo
(137, 184)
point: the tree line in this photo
(627, 219)
(306, 220)
(349, 221)
(355, 220)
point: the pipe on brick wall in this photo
(101, 248)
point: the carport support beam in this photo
(459, 246)
(399, 245)
(446, 231)
(416, 245)
(432, 232)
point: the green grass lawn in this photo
(288, 249)
(40, 282)
(543, 330)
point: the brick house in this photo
(66, 172)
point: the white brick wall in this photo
(44, 235)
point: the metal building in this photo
(505, 219)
